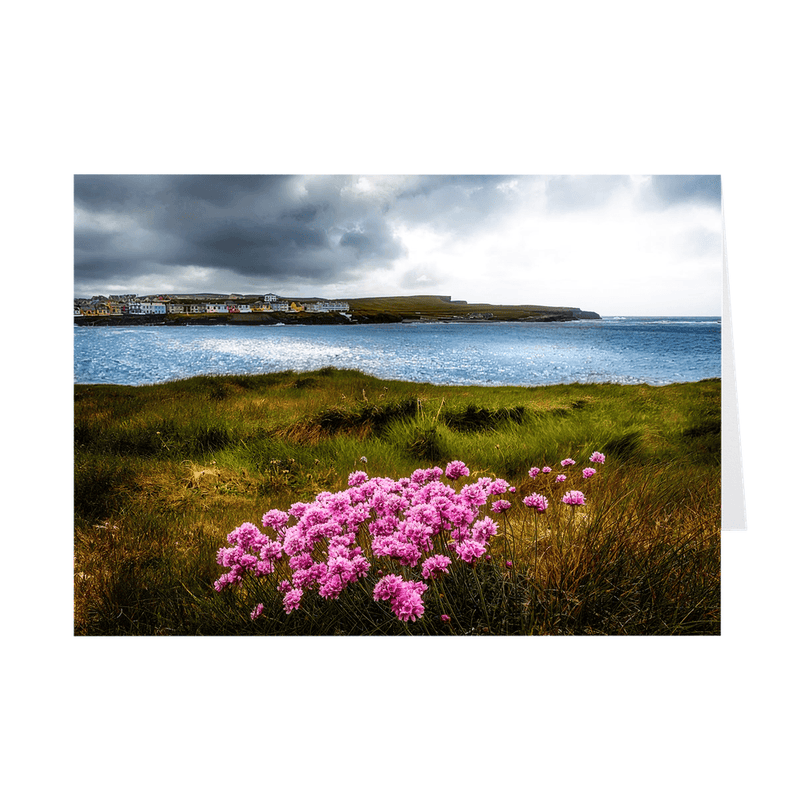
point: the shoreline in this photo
(278, 318)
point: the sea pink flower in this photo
(435, 566)
(534, 471)
(499, 506)
(574, 498)
(405, 596)
(545, 470)
(275, 519)
(567, 462)
(445, 618)
(407, 603)
(536, 501)
(588, 472)
(257, 611)
(484, 529)
(498, 486)
(291, 600)
(357, 478)
(456, 469)
(597, 458)
(560, 478)
(470, 550)
(387, 587)
(509, 564)
(474, 495)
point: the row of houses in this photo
(129, 304)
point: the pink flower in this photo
(597, 458)
(484, 529)
(275, 519)
(509, 564)
(545, 470)
(534, 471)
(257, 611)
(291, 600)
(357, 478)
(470, 550)
(574, 498)
(387, 587)
(588, 472)
(536, 501)
(435, 566)
(498, 487)
(474, 495)
(456, 469)
(560, 478)
(405, 596)
(567, 462)
(445, 618)
(500, 506)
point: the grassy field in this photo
(164, 473)
(433, 306)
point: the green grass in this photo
(429, 306)
(164, 472)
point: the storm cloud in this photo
(476, 237)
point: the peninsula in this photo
(236, 309)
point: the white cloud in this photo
(613, 258)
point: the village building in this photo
(119, 305)
(328, 305)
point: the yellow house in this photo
(295, 307)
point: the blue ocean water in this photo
(652, 350)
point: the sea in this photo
(625, 350)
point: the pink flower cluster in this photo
(574, 498)
(539, 502)
(406, 521)
(405, 596)
(252, 551)
(536, 501)
(412, 522)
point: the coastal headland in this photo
(361, 311)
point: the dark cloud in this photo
(254, 226)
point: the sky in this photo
(613, 244)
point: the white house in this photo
(147, 308)
(328, 305)
(217, 308)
